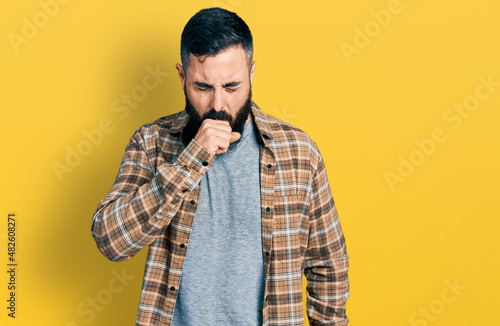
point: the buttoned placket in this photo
(190, 201)
(267, 179)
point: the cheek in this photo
(199, 100)
(195, 97)
(238, 100)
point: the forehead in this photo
(226, 66)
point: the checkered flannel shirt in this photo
(153, 202)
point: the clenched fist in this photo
(216, 135)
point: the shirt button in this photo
(204, 163)
(172, 288)
(192, 202)
(268, 209)
(267, 253)
(269, 166)
(182, 245)
(184, 190)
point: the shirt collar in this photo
(263, 125)
(177, 125)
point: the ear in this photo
(252, 72)
(182, 74)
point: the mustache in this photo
(218, 115)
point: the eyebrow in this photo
(205, 85)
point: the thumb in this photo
(234, 136)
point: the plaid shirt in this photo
(153, 203)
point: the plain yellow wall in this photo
(402, 98)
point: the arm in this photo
(326, 258)
(143, 201)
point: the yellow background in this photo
(367, 109)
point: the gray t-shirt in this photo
(223, 275)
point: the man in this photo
(234, 204)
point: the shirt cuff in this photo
(195, 158)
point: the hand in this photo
(216, 135)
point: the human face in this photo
(195, 120)
(220, 82)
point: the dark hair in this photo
(213, 30)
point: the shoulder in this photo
(288, 140)
(283, 131)
(166, 126)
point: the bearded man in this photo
(234, 204)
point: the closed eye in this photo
(202, 86)
(229, 87)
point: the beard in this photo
(237, 124)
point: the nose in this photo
(218, 99)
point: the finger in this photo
(216, 123)
(234, 137)
(221, 149)
(216, 129)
